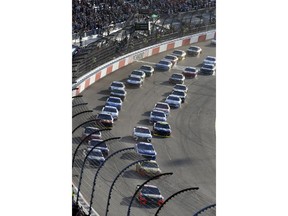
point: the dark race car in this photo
(150, 195)
(162, 129)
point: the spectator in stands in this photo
(95, 16)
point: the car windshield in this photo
(117, 84)
(109, 109)
(138, 73)
(142, 130)
(170, 57)
(208, 66)
(173, 98)
(104, 116)
(159, 114)
(94, 142)
(178, 76)
(90, 130)
(135, 78)
(118, 91)
(180, 87)
(162, 106)
(194, 48)
(145, 68)
(145, 146)
(162, 125)
(179, 93)
(149, 164)
(114, 100)
(150, 190)
(210, 59)
(96, 153)
(190, 69)
(177, 52)
(164, 62)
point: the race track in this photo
(190, 153)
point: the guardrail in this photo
(88, 79)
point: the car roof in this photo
(161, 122)
(114, 98)
(171, 55)
(156, 110)
(179, 50)
(153, 186)
(190, 68)
(112, 107)
(89, 127)
(118, 82)
(141, 127)
(177, 74)
(137, 71)
(95, 149)
(210, 57)
(162, 103)
(147, 66)
(144, 143)
(165, 61)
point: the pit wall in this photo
(91, 77)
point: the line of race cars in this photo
(158, 116)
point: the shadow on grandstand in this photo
(76, 140)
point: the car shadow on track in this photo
(147, 113)
(144, 122)
(105, 92)
(130, 156)
(128, 139)
(104, 98)
(167, 83)
(126, 201)
(98, 108)
(132, 174)
(76, 140)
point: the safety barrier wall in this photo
(111, 66)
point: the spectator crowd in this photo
(96, 15)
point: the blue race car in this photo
(146, 150)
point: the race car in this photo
(95, 157)
(143, 133)
(180, 94)
(173, 101)
(135, 81)
(105, 119)
(138, 73)
(208, 69)
(179, 53)
(111, 110)
(194, 51)
(173, 59)
(115, 102)
(157, 115)
(190, 72)
(162, 129)
(209, 60)
(148, 168)
(146, 150)
(117, 85)
(148, 70)
(177, 78)
(149, 195)
(118, 93)
(100, 144)
(162, 107)
(180, 87)
(89, 130)
(164, 65)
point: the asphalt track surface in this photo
(190, 153)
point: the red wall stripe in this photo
(186, 42)
(121, 63)
(98, 75)
(155, 50)
(202, 38)
(109, 69)
(170, 46)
